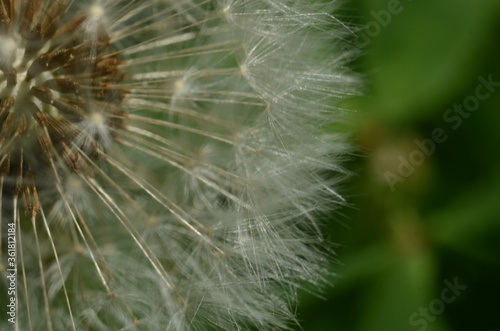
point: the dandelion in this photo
(161, 161)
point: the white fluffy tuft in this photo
(199, 212)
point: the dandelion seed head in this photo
(164, 161)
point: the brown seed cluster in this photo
(60, 95)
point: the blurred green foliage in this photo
(420, 218)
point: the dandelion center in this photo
(59, 94)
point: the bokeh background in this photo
(421, 219)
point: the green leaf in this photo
(424, 53)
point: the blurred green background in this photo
(419, 245)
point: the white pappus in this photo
(163, 161)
